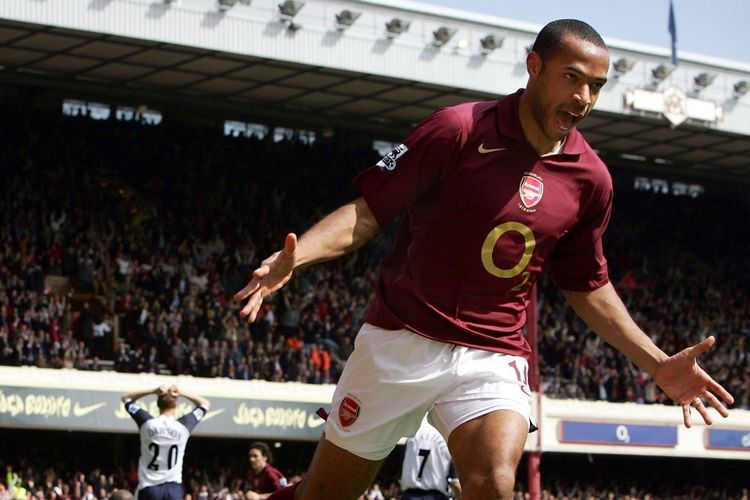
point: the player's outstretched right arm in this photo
(342, 231)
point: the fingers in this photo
(290, 244)
(252, 307)
(703, 411)
(686, 416)
(257, 289)
(704, 346)
(716, 404)
(249, 288)
(717, 388)
(254, 283)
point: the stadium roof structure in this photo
(378, 65)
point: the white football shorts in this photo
(394, 377)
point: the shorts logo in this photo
(531, 190)
(348, 411)
(389, 161)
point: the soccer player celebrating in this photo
(163, 441)
(487, 193)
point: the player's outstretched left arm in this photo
(679, 376)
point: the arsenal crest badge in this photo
(348, 411)
(531, 190)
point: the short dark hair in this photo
(262, 447)
(549, 40)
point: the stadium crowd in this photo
(223, 476)
(158, 230)
(156, 227)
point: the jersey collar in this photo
(509, 124)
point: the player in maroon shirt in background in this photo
(487, 193)
(262, 478)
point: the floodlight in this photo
(290, 8)
(441, 36)
(226, 4)
(491, 42)
(703, 80)
(662, 71)
(396, 26)
(622, 66)
(346, 18)
(741, 88)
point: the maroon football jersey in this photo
(268, 480)
(482, 212)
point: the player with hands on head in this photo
(487, 194)
(163, 440)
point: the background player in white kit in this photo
(163, 441)
(427, 471)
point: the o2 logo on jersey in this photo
(531, 190)
(348, 411)
(389, 161)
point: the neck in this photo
(170, 412)
(533, 131)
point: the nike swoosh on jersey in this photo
(80, 411)
(313, 421)
(484, 150)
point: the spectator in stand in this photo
(262, 477)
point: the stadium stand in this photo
(121, 242)
(157, 236)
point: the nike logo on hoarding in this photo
(213, 413)
(80, 411)
(484, 150)
(313, 421)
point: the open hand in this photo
(272, 274)
(688, 384)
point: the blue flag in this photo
(673, 33)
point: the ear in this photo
(533, 64)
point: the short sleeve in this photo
(190, 420)
(137, 413)
(414, 167)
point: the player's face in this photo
(256, 459)
(565, 87)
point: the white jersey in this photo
(427, 462)
(163, 441)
